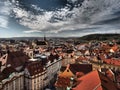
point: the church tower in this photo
(45, 38)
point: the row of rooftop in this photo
(81, 56)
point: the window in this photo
(67, 70)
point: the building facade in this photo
(11, 79)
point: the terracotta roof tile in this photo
(67, 73)
(112, 61)
(89, 82)
(115, 48)
(81, 58)
(34, 67)
(95, 81)
(62, 82)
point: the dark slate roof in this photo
(41, 43)
(85, 68)
(7, 71)
(62, 69)
(1, 76)
(69, 51)
(17, 58)
(52, 57)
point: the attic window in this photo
(4, 57)
(67, 70)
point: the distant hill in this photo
(100, 37)
(90, 37)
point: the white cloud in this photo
(31, 31)
(91, 11)
(3, 22)
(5, 8)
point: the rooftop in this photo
(95, 81)
(16, 59)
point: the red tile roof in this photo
(67, 73)
(81, 58)
(89, 82)
(102, 57)
(115, 48)
(95, 81)
(62, 82)
(74, 69)
(112, 61)
(34, 67)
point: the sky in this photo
(58, 18)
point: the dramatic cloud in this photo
(89, 16)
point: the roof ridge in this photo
(97, 86)
(90, 72)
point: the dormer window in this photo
(67, 70)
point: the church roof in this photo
(41, 43)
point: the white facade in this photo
(36, 82)
(53, 68)
(14, 82)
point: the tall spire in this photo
(44, 37)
